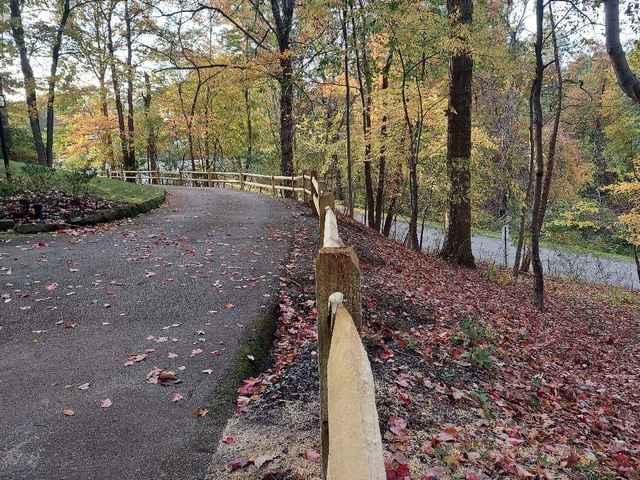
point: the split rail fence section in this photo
(351, 444)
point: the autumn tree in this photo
(457, 245)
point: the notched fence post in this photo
(337, 270)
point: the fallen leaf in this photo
(106, 403)
(176, 397)
(312, 455)
(67, 412)
(239, 463)
(201, 412)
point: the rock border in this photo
(99, 216)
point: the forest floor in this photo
(472, 382)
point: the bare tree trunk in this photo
(115, 80)
(628, 81)
(388, 222)
(106, 131)
(247, 104)
(537, 196)
(636, 256)
(365, 83)
(383, 134)
(131, 144)
(55, 57)
(347, 106)
(553, 138)
(283, 11)
(17, 31)
(4, 136)
(527, 200)
(457, 245)
(152, 150)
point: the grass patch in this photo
(38, 179)
(110, 189)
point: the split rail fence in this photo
(351, 444)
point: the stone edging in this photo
(100, 216)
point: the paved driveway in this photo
(182, 285)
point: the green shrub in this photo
(36, 178)
(76, 181)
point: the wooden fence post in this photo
(273, 186)
(337, 270)
(241, 181)
(325, 200)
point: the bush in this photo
(77, 180)
(36, 178)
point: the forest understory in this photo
(472, 382)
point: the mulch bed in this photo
(58, 207)
(472, 382)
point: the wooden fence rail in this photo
(351, 444)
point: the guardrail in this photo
(351, 444)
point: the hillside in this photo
(472, 381)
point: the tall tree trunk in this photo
(628, 81)
(347, 107)
(17, 31)
(286, 115)
(115, 80)
(383, 147)
(391, 211)
(537, 196)
(5, 144)
(527, 199)
(457, 245)
(636, 256)
(131, 144)
(106, 131)
(55, 57)
(553, 138)
(283, 11)
(247, 106)
(365, 84)
(152, 150)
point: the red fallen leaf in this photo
(229, 305)
(312, 455)
(397, 425)
(52, 286)
(404, 380)
(166, 375)
(196, 351)
(248, 387)
(239, 463)
(200, 412)
(106, 403)
(449, 434)
(228, 440)
(176, 397)
(385, 354)
(67, 412)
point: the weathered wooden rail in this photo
(351, 444)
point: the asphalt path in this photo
(183, 285)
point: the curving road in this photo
(187, 280)
(559, 262)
